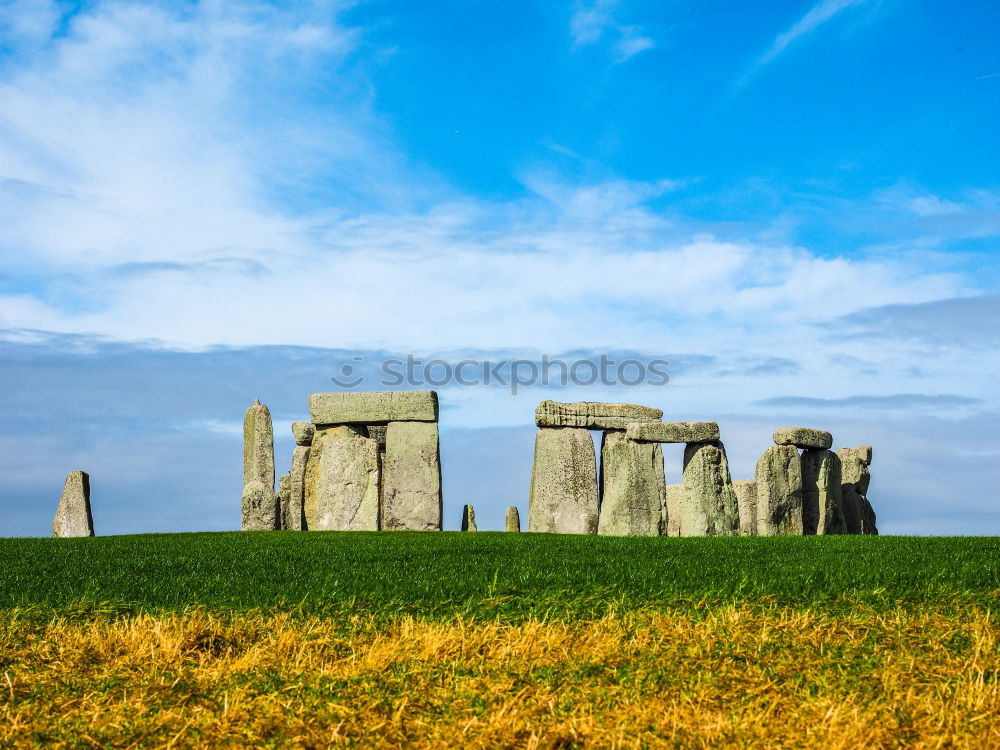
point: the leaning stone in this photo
(513, 519)
(377, 406)
(862, 453)
(632, 486)
(342, 481)
(297, 487)
(284, 501)
(73, 517)
(709, 506)
(746, 501)
(779, 492)
(258, 446)
(563, 496)
(859, 516)
(469, 518)
(260, 507)
(593, 415)
(411, 477)
(303, 432)
(674, 432)
(803, 437)
(822, 498)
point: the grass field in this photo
(499, 640)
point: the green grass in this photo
(493, 575)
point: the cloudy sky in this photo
(203, 203)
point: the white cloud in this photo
(595, 21)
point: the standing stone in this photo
(284, 498)
(297, 487)
(779, 492)
(746, 501)
(672, 509)
(513, 519)
(563, 497)
(261, 511)
(822, 498)
(342, 481)
(469, 518)
(709, 507)
(73, 517)
(258, 445)
(632, 486)
(859, 516)
(303, 432)
(411, 477)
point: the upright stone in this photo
(297, 487)
(411, 479)
(284, 501)
(513, 519)
(822, 498)
(563, 497)
(672, 509)
(746, 501)
(258, 445)
(303, 432)
(342, 481)
(709, 507)
(859, 516)
(779, 492)
(73, 517)
(632, 486)
(469, 518)
(261, 511)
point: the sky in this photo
(796, 204)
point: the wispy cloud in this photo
(595, 21)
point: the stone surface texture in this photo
(674, 432)
(469, 518)
(672, 509)
(303, 432)
(803, 437)
(342, 481)
(632, 487)
(593, 415)
(709, 506)
(258, 445)
(746, 501)
(373, 407)
(513, 519)
(73, 517)
(260, 507)
(411, 477)
(563, 496)
(862, 453)
(822, 499)
(859, 516)
(284, 498)
(297, 487)
(779, 492)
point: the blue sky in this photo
(796, 203)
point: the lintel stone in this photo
(673, 432)
(593, 415)
(373, 407)
(803, 437)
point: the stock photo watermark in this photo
(513, 374)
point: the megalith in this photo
(513, 519)
(411, 477)
(258, 445)
(672, 509)
(303, 432)
(779, 491)
(261, 510)
(674, 432)
(342, 481)
(73, 517)
(709, 506)
(746, 501)
(563, 497)
(594, 415)
(373, 407)
(284, 499)
(632, 486)
(859, 516)
(297, 486)
(822, 497)
(469, 518)
(803, 437)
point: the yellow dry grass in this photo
(735, 677)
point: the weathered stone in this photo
(342, 481)
(377, 406)
(674, 432)
(377, 432)
(258, 445)
(303, 432)
(803, 437)
(563, 496)
(593, 415)
(746, 501)
(469, 518)
(284, 500)
(822, 499)
(632, 486)
(859, 516)
(73, 517)
(672, 509)
(261, 510)
(709, 506)
(779, 492)
(411, 478)
(297, 487)
(513, 519)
